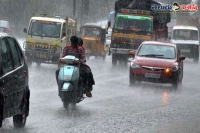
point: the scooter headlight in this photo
(134, 65)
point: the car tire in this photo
(114, 60)
(19, 120)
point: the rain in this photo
(117, 105)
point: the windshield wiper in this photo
(152, 55)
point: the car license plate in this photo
(185, 50)
(152, 75)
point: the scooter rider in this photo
(80, 42)
(86, 71)
(74, 49)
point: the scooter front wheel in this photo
(66, 104)
(73, 105)
(66, 101)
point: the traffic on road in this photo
(133, 73)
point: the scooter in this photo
(70, 84)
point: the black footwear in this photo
(88, 94)
(90, 88)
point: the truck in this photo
(46, 36)
(135, 22)
(185, 34)
(187, 39)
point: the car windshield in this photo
(4, 24)
(157, 51)
(91, 31)
(182, 34)
(45, 28)
(131, 22)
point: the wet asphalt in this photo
(116, 107)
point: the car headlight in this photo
(134, 65)
(175, 68)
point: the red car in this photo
(157, 62)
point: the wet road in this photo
(115, 106)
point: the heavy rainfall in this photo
(143, 56)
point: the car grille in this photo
(158, 69)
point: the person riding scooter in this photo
(80, 42)
(85, 71)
